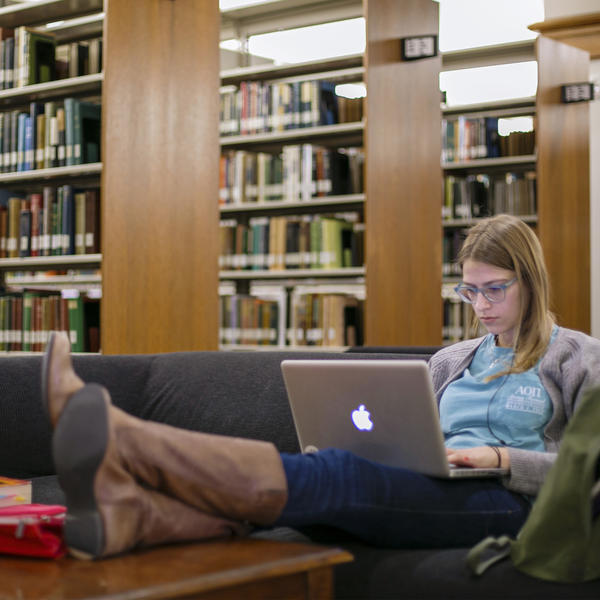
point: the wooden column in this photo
(403, 178)
(563, 181)
(160, 180)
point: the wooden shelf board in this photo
(501, 161)
(45, 11)
(31, 263)
(483, 56)
(279, 348)
(453, 223)
(293, 273)
(352, 62)
(351, 201)
(581, 31)
(291, 135)
(508, 108)
(53, 173)
(58, 88)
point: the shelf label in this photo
(417, 47)
(577, 92)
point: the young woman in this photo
(504, 400)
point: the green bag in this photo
(560, 541)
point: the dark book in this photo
(3, 230)
(78, 59)
(68, 220)
(87, 131)
(41, 57)
(328, 103)
(48, 195)
(6, 138)
(92, 221)
(35, 204)
(9, 61)
(35, 109)
(14, 140)
(25, 229)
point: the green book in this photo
(27, 320)
(76, 323)
(69, 131)
(316, 235)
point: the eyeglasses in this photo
(492, 293)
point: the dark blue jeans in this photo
(387, 506)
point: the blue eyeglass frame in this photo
(503, 286)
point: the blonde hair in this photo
(506, 242)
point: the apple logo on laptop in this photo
(362, 418)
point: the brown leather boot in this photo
(107, 511)
(222, 476)
(59, 380)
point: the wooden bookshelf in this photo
(159, 171)
(561, 163)
(45, 11)
(580, 31)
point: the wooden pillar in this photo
(160, 179)
(563, 181)
(403, 178)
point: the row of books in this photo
(292, 242)
(456, 320)
(51, 134)
(59, 221)
(469, 138)
(79, 58)
(483, 195)
(298, 173)
(314, 319)
(326, 320)
(248, 320)
(452, 241)
(29, 56)
(263, 107)
(28, 317)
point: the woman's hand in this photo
(481, 456)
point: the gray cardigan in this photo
(570, 366)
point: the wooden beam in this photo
(403, 178)
(160, 221)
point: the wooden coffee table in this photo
(236, 568)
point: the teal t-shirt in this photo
(512, 410)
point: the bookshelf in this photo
(159, 173)
(51, 269)
(560, 168)
(401, 204)
(251, 294)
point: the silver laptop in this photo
(382, 410)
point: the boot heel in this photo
(84, 535)
(79, 445)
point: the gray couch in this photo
(242, 394)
